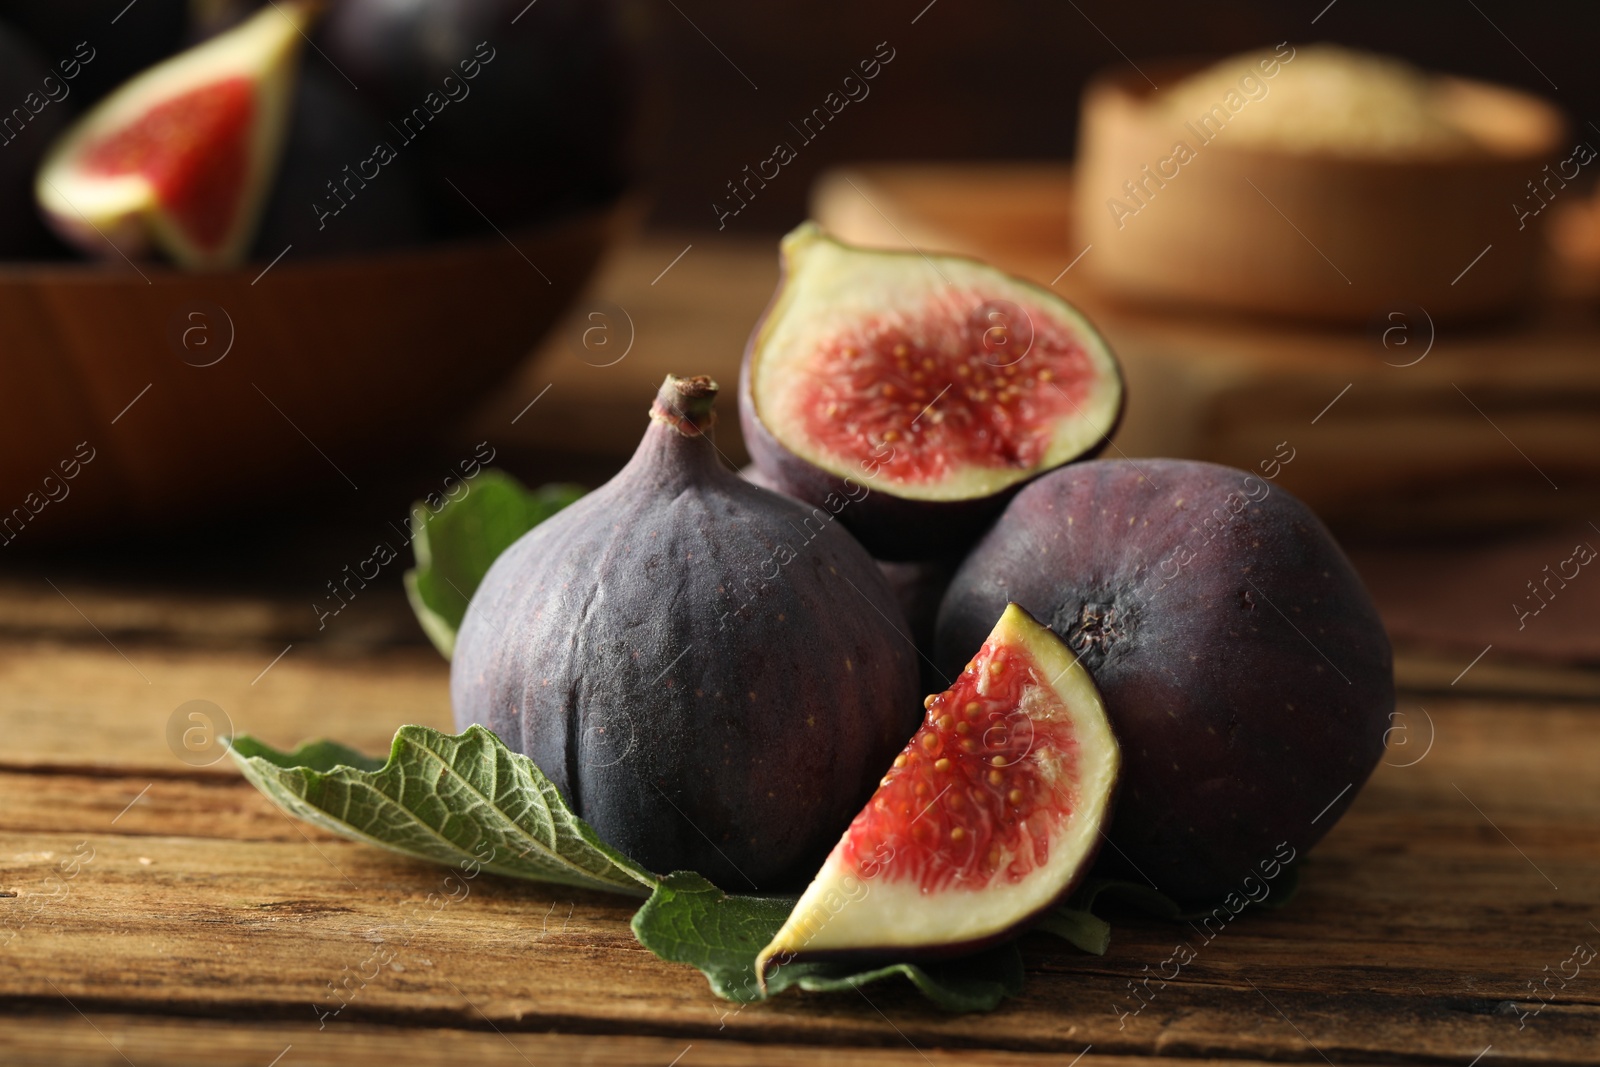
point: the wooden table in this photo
(160, 911)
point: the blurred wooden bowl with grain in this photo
(1233, 221)
(260, 387)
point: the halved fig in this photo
(937, 382)
(181, 158)
(989, 816)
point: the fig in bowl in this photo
(25, 134)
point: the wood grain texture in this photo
(692, 319)
(93, 706)
(79, 609)
(95, 1039)
(1417, 931)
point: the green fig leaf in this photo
(467, 800)
(1139, 896)
(1080, 928)
(462, 800)
(971, 983)
(1076, 923)
(455, 546)
(689, 920)
(1146, 898)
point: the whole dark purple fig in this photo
(40, 104)
(1244, 667)
(331, 139)
(96, 45)
(712, 674)
(919, 589)
(517, 112)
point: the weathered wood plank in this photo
(68, 1039)
(84, 705)
(1420, 918)
(260, 930)
(72, 609)
(88, 706)
(1526, 763)
(1424, 670)
(1418, 921)
(204, 805)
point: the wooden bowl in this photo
(200, 392)
(1317, 236)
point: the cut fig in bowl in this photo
(180, 159)
(938, 382)
(988, 817)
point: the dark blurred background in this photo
(717, 86)
(988, 81)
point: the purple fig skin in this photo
(1240, 728)
(892, 528)
(23, 70)
(752, 474)
(919, 589)
(328, 117)
(551, 125)
(700, 704)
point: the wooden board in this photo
(1487, 425)
(203, 925)
(680, 304)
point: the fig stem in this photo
(685, 404)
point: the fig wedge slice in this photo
(988, 817)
